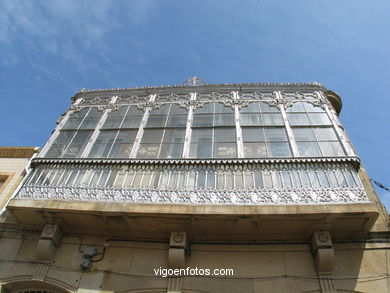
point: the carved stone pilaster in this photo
(175, 285)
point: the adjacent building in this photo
(257, 184)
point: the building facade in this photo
(259, 180)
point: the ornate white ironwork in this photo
(194, 81)
(285, 196)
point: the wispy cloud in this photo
(65, 28)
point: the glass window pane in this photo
(78, 144)
(251, 108)
(146, 180)
(200, 150)
(123, 144)
(308, 149)
(340, 178)
(313, 178)
(255, 150)
(272, 119)
(75, 119)
(114, 118)
(201, 135)
(191, 180)
(298, 119)
(295, 179)
(171, 150)
(303, 134)
(201, 182)
(174, 136)
(279, 149)
(286, 179)
(182, 180)
(220, 180)
(156, 121)
(249, 119)
(211, 179)
(267, 179)
(324, 182)
(173, 179)
(350, 180)
(311, 108)
(111, 179)
(137, 180)
(331, 148)
(229, 180)
(177, 110)
(152, 135)
(148, 151)
(155, 179)
(131, 121)
(265, 107)
(225, 134)
(119, 179)
(103, 144)
(224, 120)
(103, 178)
(202, 120)
(221, 108)
(163, 110)
(296, 107)
(304, 178)
(239, 181)
(276, 180)
(177, 121)
(92, 119)
(248, 176)
(60, 144)
(56, 178)
(95, 179)
(275, 134)
(332, 178)
(252, 134)
(69, 180)
(207, 108)
(325, 133)
(319, 119)
(225, 150)
(259, 183)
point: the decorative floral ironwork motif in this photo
(286, 196)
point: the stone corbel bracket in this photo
(177, 250)
(49, 241)
(323, 253)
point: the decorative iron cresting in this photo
(286, 196)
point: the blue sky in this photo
(51, 49)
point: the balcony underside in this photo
(204, 223)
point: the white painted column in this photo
(239, 139)
(290, 134)
(187, 138)
(140, 132)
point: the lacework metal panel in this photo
(200, 197)
(293, 183)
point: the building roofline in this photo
(18, 152)
(265, 85)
